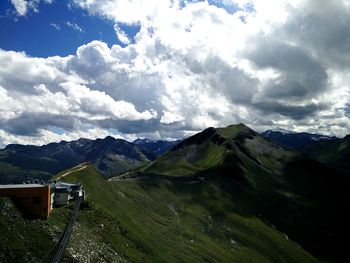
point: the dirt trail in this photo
(81, 167)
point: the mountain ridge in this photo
(268, 173)
(334, 154)
(158, 147)
(298, 141)
(217, 144)
(109, 155)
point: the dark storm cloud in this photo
(300, 75)
(347, 110)
(29, 124)
(233, 82)
(294, 112)
(323, 28)
(129, 127)
(142, 126)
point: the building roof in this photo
(15, 186)
(71, 186)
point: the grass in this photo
(188, 160)
(233, 131)
(26, 240)
(160, 220)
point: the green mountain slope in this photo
(162, 220)
(302, 197)
(235, 147)
(21, 240)
(156, 220)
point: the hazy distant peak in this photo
(279, 130)
(143, 140)
(293, 140)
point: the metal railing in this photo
(57, 252)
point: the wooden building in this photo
(31, 199)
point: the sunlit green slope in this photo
(160, 220)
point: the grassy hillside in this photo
(234, 147)
(154, 220)
(160, 220)
(27, 240)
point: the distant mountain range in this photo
(328, 150)
(110, 156)
(335, 154)
(113, 156)
(297, 141)
(158, 147)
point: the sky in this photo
(166, 69)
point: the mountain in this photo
(297, 141)
(110, 156)
(331, 151)
(278, 185)
(222, 195)
(228, 149)
(158, 147)
(335, 154)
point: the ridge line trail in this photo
(82, 166)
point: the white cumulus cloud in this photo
(22, 7)
(192, 65)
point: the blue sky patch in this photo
(130, 30)
(56, 29)
(230, 8)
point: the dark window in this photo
(36, 199)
